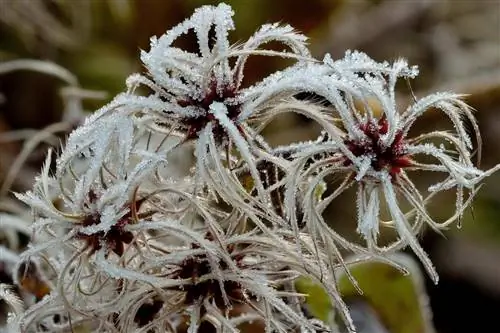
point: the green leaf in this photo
(317, 300)
(399, 300)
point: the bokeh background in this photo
(456, 44)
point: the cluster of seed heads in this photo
(168, 211)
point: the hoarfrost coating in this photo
(124, 242)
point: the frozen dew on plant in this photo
(15, 219)
(373, 151)
(124, 241)
(179, 258)
(130, 248)
(199, 95)
(189, 83)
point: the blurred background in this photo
(456, 44)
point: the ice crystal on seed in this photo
(188, 85)
(374, 152)
(124, 241)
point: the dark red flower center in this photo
(197, 266)
(115, 238)
(195, 124)
(392, 158)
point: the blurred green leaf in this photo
(102, 66)
(483, 223)
(399, 300)
(317, 300)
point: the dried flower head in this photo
(374, 151)
(122, 243)
(199, 95)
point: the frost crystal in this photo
(169, 211)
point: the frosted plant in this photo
(121, 240)
(15, 219)
(124, 242)
(15, 304)
(374, 152)
(200, 95)
(152, 264)
(73, 113)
